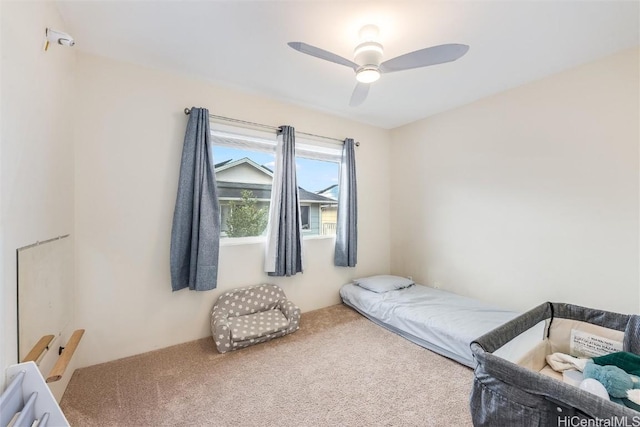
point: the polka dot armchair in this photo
(251, 315)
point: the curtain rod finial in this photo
(187, 111)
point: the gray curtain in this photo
(284, 235)
(346, 253)
(195, 235)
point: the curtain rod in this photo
(187, 111)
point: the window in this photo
(304, 217)
(318, 207)
(244, 162)
(244, 190)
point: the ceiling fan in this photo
(367, 59)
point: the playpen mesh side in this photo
(505, 394)
(632, 335)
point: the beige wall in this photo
(129, 128)
(527, 196)
(36, 168)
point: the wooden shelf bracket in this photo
(65, 357)
(38, 349)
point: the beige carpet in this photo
(339, 369)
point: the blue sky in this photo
(313, 175)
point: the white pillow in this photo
(383, 283)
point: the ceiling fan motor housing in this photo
(368, 53)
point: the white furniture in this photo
(27, 400)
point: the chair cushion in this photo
(251, 326)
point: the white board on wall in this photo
(45, 291)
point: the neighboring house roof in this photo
(330, 192)
(327, 189)
(228, 164)
(233, 190)
(218, 165)
(307, 196)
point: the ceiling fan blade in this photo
(322, 54)
(359, 94)
(425, 57)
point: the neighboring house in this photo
(329, 213)
(330, 192)
(235, 176)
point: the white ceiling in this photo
(244, 45)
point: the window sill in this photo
(318, 236)
(234, 241)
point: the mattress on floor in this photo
(435, 319)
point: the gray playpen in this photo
(509, 393)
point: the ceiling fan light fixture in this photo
(367, 74)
